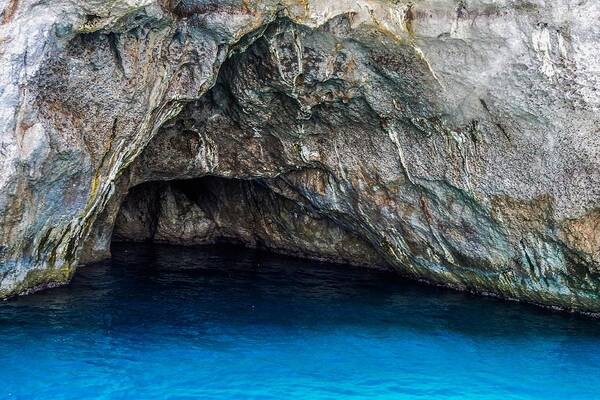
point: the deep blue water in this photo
(228, 323)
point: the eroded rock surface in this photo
(454, 141)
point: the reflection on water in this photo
(224, 322)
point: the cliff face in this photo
(455, 141)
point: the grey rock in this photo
(455, 142)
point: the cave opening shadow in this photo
(166, 220)
(252, 213)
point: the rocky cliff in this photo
(454, 141)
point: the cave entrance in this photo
(252, 213)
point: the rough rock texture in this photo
(455, 141)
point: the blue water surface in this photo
(166, 322)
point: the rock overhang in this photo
(433, 129)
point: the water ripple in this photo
(228, 323)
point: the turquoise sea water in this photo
(228, 323)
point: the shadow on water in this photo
(225, 285)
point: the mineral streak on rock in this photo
(455, 142)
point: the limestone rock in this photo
(454, 141)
